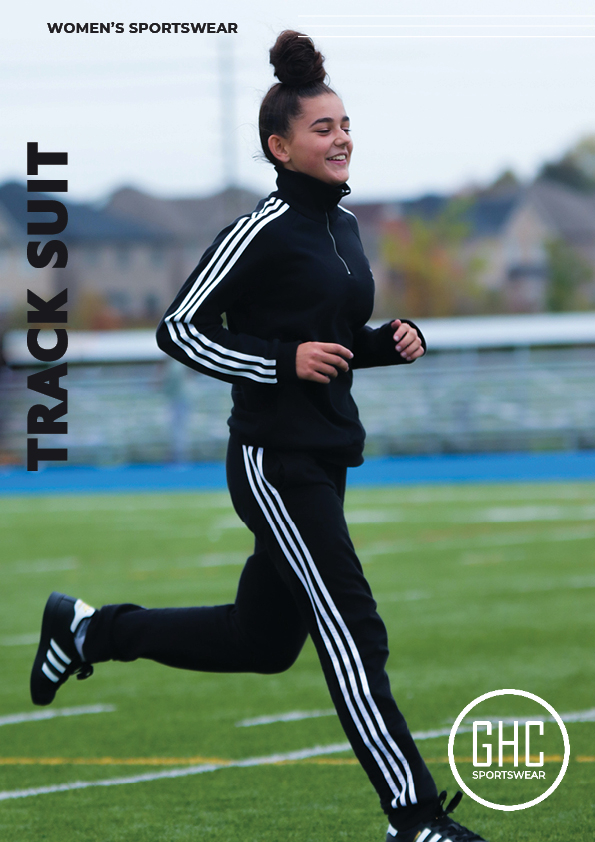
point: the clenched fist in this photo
(407, 341)
(319, 361)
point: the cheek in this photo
(314, 153)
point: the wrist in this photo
(286, 361)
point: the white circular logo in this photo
(468, 790)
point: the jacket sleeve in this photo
(376, 347)
(192, 329)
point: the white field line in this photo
(487, 514)
(228, 522)
(303, 754)
(183, 500)
(295, 715)
(42, 565)
(151, 565)
(577, 716)
(292, 716)
(20, 639)
(404, 596)
(438, 732)
(578, 533)
(374, 516)
(36, 716)
(525, 514)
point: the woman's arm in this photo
(192, 329)
(377, 347)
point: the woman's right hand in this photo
(319, 361)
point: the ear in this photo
(278, 147)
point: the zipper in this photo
(328, 228)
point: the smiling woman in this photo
(302, 122)
(297, 291)
(319, 142)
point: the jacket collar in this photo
(308, 195)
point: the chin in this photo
(337, 178)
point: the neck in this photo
(306, 192)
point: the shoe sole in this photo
(41, 693)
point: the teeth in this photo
(338, 158)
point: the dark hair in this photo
(300, 70)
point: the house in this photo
(16, 274)
(191, 223)
(121, 264)
(128, 258)
(546, 211)
(509, 230)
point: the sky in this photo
(429, 114)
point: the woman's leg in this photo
(261, 632)
(293, 503)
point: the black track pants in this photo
(304, 577)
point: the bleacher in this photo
(487, 384)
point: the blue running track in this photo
(396, 470)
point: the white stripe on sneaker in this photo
(436, 838)
(424, 835)
(391, 830)
(47, 671)
(54, 661)
(59, 652)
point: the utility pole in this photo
(227, 105)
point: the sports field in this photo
(481, 587)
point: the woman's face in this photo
(319, 143)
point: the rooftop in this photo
(85, 222)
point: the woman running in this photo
(296, 289)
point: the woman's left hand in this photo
(407, 340)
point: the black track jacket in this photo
(293, 271)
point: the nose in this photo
(344, 138)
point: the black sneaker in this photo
(57, 656)
(439, 829)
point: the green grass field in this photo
(481, 587)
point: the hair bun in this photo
(296, 60)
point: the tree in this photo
(576, 168)
(567, 273)
(429, 275)
(507, 180)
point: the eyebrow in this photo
(344, 119)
